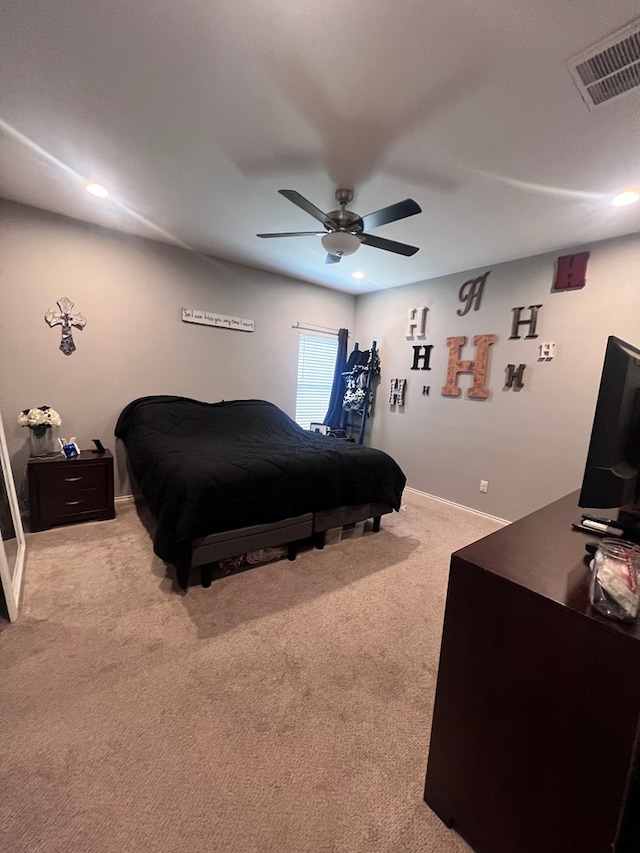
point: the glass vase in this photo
(40, 443)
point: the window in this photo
(316, 365)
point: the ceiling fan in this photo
(344, 231)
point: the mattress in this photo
(206, 468)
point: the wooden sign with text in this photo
(210, 318)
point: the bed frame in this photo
(382, 479)
(208, 550)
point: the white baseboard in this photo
(128, 499)
(502, 521)
(125, 499)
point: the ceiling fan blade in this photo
(306, 205)
(389, 245)
(295, 234)
(400, 210)
(332, 259)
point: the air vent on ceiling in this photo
(609, 68)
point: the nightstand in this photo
(66, 491)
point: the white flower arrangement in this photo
(40, 420)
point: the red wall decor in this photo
(478, 366)
(514, 376)
(471, 291)
(571, 272)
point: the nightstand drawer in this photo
(75, 503)
(60, 479)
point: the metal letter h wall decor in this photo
(514, 376)
(424, 357)
(531, 322)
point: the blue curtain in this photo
(333, 417)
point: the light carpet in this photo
(286, 709)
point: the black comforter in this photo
(209, 467)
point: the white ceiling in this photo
(194, 113)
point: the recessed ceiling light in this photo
(357, 274)
(625, 198)
(96, 189)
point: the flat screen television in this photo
(612, 471)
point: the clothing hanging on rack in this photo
(362, 367)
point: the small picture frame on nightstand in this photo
(322, 429)
(69, 448)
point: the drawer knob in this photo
(72, 503)
(72, 479)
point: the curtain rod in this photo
(309, 328)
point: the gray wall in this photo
(530, 445)
(135, 343)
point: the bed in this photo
(227, 478)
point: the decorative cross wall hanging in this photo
(66, 319)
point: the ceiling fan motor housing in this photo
(346, 220)
(346, 231)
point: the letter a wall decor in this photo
(471, 292)
(478, 366)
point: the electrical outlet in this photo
(484, 485)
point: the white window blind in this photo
(316, 364)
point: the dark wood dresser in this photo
(536, 726)
(66, 491)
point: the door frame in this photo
(11, 584)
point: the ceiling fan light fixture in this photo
(341, 243)
(625, 198)
(96, 189)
